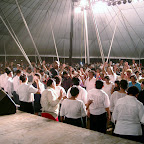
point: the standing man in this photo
(98, 104)
(90, 81)
(26, 94)
(16, 83)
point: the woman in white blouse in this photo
(73, 111)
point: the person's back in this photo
(73, 111)
(127, 114)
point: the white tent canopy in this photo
(128, 41)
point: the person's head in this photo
(23, 78)
(129, 72)
(99, 84)
(9, 72)
(18, 72)
(133, 91)
(137, 73)
(56, 64)
(107, 79)
(65, 74)
(142, 73)
(29, 70)
(38, 76)
(98, 70)
(91, 74)
(51, 83)
(57, 80)
(133, 78)
(74, 91)
(142, 85)
(75, 81)
(124, 84)
(42, 72)
(117, 83)
(109, 70)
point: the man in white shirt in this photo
(128, 114)
(16, 83)
(8, 83)
(26, 94)
(50, 100)
(82, 92)
(37, 97)
(90, 81)
(98, 104)
(3, 77)
(108, 86)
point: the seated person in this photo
(73, 111)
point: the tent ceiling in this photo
(128, 41)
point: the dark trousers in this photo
(27, 107)
(98, 122)
(130, 137)
(76, 122)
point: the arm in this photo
(108, 112)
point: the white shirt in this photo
(26, 92)
(107, 88)
(58, 89)
(114, 97)
(50, 101)
(90, 84)
(73, 109)
(2, 79)
(113, 77)
(16, 82)
(82, 94)
(100, 101)
(128, 113)
(41, 86)
(8, 86)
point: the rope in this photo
(29, 31)
(112, 40)
(23, 52)
(5, 54)
(54, 42)
(97, 33)
(82, 37)
(86, 36)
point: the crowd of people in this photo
(109, 93)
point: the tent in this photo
(128, 42)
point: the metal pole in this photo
(86, 35)
(85, 47)
(71, 33)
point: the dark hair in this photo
(65, 72)
(18, 72)
(134, 76)
(38, 75)
(91, 71)
(124, 84)
(107, 77)
(99, 84)
(137, 72)
(57, 79)
(41, 71)
(133, 90)
(8, 70)
(50, 81)
(75, 81)
(23, 77)
(143, 82)
(74, 91)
